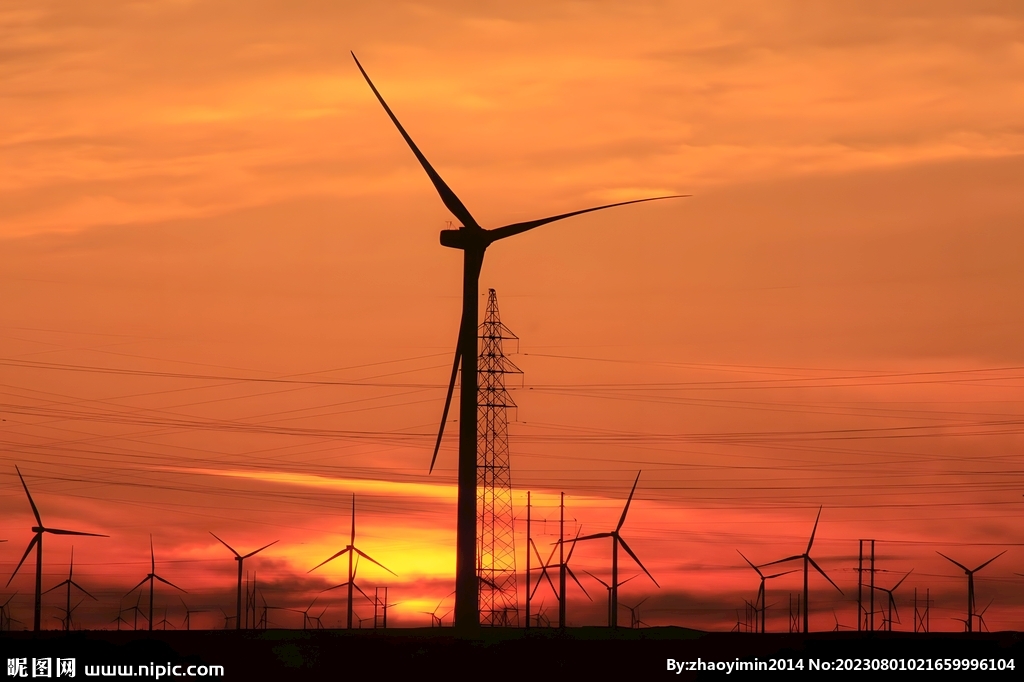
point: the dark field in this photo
(578, 653)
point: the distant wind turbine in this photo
(806, 556)
(969, 623)
(37, 542)
(761, 588)
(152, 577)
(887, 621)
(70, 583)
(617, 541)
(240, 558)
(472, 240)
(352, 551)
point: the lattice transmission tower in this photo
(496, 556)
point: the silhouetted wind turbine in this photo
(70, 583)
(970, 585)
(473, 240)
(151, 578)
(616, 542)
(5, 614)
(806, 556)
(609, 588)
(137, 610)
(892, 601)
(352, 551)
(240, 558)
(761, 588)
(187, 623)
(37, 542)
(120, 617)
(634, 614)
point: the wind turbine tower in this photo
(472, 240)
(496, 557)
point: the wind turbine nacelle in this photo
(454, 239)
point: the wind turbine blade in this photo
(782, 561)
(625, 510)
(751, 564)
(360, 590)
(260, 549)
(152, 556)
(813, 531)
(447, 400)
(902, 579)
(35, 511)
(83, 590)
(519, 228)
(31, 544)
(61, 531)
(369, 558)
(594, 536)
(341, 553)
(966, 570)
(777, 575)
(141, 583)
(577, 581)
(452, 202)
(892, 603)
(818, 569)
(168, 582)
(989, 561)
(60, 584)
(226, 544)
(598, 579)
(352, 538)
(637, 560)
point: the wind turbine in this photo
(187, 623)
(473, 240)
(806, 556)
(436, 620)
(120, 617)
(240, 558)
(352, 551)
(37, 542)
(152, 577)
(892, 601)
(634, 614)
(70, 583)
(616, 542)
(609, 588)
(761, 588)
(970, 585)
(137, 610)
(5, 614)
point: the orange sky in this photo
(834, 318)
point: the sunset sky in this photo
(223, 305)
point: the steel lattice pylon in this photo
(496, 556)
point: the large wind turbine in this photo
(37, 542)
(240, 558)
(617, 541)
(806, 557)
(352, 550)
(970, 585)
(473, 240)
